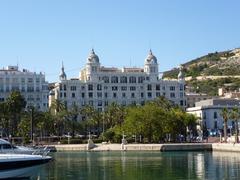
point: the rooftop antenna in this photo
(17, 61)
(130, 62)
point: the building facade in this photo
(99, 86)
(192, 98)
(209, 112)
(31, 85)
(224, 93)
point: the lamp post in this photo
(31, 111)
(32, 119)
(103, 124)
(103, 116)
(68, 137)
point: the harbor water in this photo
(118, 165)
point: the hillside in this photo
(217, 63)
(214, 64)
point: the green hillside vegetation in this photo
(224, 63)
(210, 87)
(227, 71)
(206, 65)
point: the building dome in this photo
(63, 75)
(93, 58)
(151, 58)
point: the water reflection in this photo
(199, 160)
(142, 165)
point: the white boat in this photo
(7, 147)
(20, 165)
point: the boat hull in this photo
(19, 173)
(17, 166)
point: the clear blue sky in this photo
(38, 35)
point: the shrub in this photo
(97, 140)
(72, 141)
(109, 135)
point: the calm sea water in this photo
(142, 166)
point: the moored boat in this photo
(20, 165)
(7, 147)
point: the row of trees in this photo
(155, 120)
(233, 114)
(152, 121)
(11, 111)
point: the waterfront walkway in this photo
(230, 147)
(136, 147)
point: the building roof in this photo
(195, 94)
(218, 102)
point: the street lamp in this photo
(103, 116)
(31, 109)
(103, 124)
(32, 119)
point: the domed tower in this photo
(92, 66)
(151, 66)
(181, 74)
(63, 75)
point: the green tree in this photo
(90, 114)
(4, 116)
(163, 103)
(16, 104)
(156, 119)
(134, 121)
(225, 115)
(59, 112)
(114, 115)
(72, 119)
(24, 127)
(44, 124)
(235, 115)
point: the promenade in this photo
(228, 147)
(136, 147)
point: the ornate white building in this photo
(30, 84)
(99, 86)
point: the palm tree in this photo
(57, 106)
(235, 115)
(114, 115)
(59, 111)
(73, 114)
(16, 104)
(4, 117)
(90, 115)
(225, 114)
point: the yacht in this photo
(21, 165)
(7, 147)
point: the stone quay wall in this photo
(136, 147)
(225, 147)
